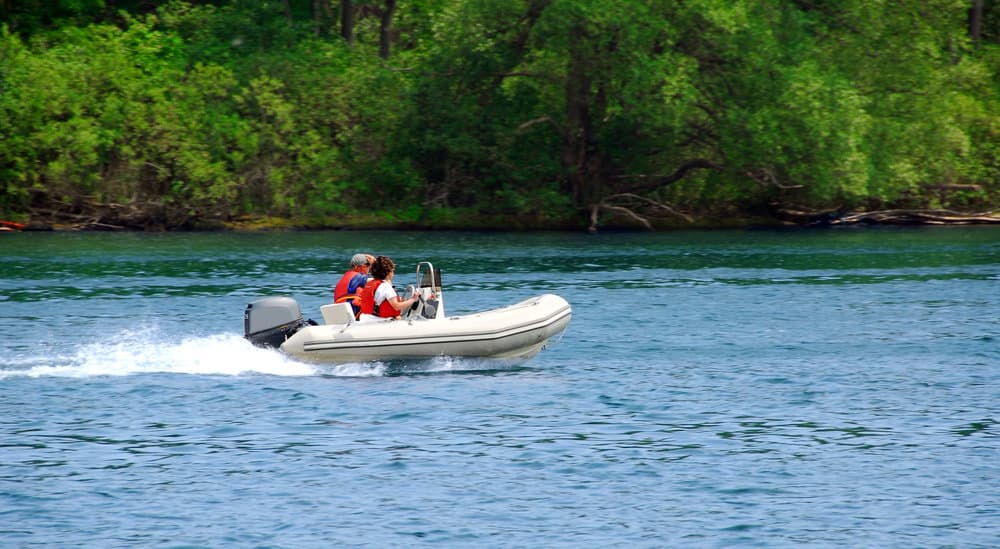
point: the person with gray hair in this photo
(346, 290)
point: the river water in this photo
(714, 389)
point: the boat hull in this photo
(515, 332)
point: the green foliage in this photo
(528, 112)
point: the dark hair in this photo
(382, 267)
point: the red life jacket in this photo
(340, 292)
(385, 309)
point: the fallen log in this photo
(886, 217)
(916, 217)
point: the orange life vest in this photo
(348, 291)
(385, 309)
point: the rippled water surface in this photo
(719, 389)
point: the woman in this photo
(378, 297)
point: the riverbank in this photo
(780, 218)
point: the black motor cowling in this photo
(270, 321)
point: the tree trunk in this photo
(578, 121)
(321, 18)
(586, 106)
(385, 29)
(347, 21)
(976, 21)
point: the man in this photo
(346, 290)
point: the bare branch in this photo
(545, 76)
(623, 210)
(766, 177)
(648, 183)
(549, 119)
(649, 202)
(954, 187)
(626, 204)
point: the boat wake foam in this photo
(220, 354)
(148, 352)
(448, 364)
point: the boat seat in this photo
(337, 313)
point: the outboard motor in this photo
(270, 321)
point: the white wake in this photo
(132, 353)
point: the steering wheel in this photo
(415, 308)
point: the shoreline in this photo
(784, 220)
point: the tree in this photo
(541, 112)
(385, 28)
(347, 21)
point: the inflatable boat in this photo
(515, 332)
